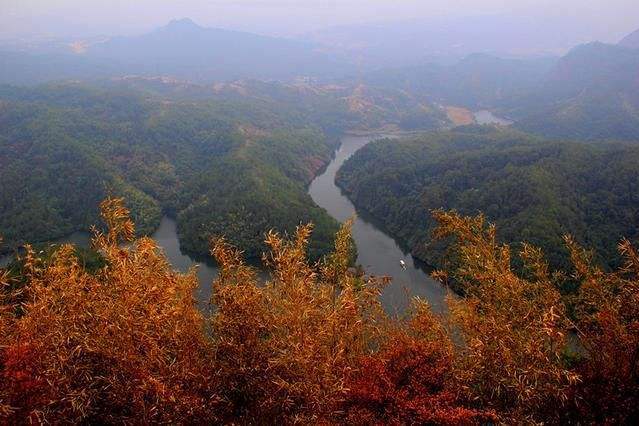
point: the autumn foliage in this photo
(409, 380)
(607, 318)
(514, 329)
(127, 344)
(516, 356)
(284, 348)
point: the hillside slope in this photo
(207, 163)
(534, 190)
(477, 81)
(592, 93)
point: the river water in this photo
(166, 237)
(378, 253)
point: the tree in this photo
(123, 341)
(285, 348)
(513, 330)
(607, 317)
(126, 343)
(409, 380)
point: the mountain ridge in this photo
(592, 93)
(180, 49)
(631, 40)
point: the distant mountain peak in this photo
(184, 23)
(631, 40)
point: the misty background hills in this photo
(185, 50)
(181, 49)
(446, 40)
(591, 91)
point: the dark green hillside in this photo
(534, 190)
(65, 147)
(53, 180)
(242, 201)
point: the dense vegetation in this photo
(590, 93)
(234, 158)
(541, 330)
(593, 115)
(333, 107)
(533, 190)
(123, 342)
(217, 166)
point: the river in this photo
(166, 237)
(377, 252)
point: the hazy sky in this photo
(606, 20)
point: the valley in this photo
(354, 212)
(377, 252)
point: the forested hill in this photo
(592, 93)
(218, 166)
(534, 190)
(333, 107)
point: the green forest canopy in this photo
(533, 190)
(217, 166)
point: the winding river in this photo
(378, 253)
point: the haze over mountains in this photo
(185, 50)
(181, 49)
(591, 93)
(478, 80)
(449, 39)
